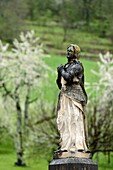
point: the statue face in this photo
(70, 52)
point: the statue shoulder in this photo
(77, 65)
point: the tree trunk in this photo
(19, 144)
(109, 158)
(65, 33)
(26, 112)
(87, 4)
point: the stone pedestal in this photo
(73, 164)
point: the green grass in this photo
(7, 161)
(52, 38)
(8, 157)
(103, 161)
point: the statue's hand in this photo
(59, 68)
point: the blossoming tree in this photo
(100, 110)
(22, 70)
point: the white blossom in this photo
(21, 66)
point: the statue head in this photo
(73, 51)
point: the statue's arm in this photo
(81, 79)
(58, 80)
(74, 70)
(67, 75)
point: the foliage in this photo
(100, 110)
(74, 13)
(22, 71)
(40, 11)
(93, 15)
(43, 137)
(12, 14)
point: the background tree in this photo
(95, 14)
(41, 11)
(12, 14)
(100, 110)
(43, 136)
(67, 15)
(22, 70)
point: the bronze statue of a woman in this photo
(71, 105)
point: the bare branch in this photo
(7, 92)
(48, 118)
(33, 100)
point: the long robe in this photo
(71, 121)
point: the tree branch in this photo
(8, 93)
(35, 99)
(44, 119)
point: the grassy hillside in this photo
(52, 37)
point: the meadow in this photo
(7, 163)
(52, 36)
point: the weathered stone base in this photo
(76, 154)
(73, 164)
